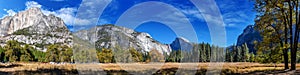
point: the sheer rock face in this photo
(248, 36)
(181, 43)
(33, 27)
(110, 36)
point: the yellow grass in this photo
(240, 67)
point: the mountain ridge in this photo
(34, 28)
(108, 36)
(248, 36)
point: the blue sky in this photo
(236, 14)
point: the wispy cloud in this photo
(236, 12)
(232, 12)
(154, 11)
(193, 14)
(91, 10)
(30, 4)
(67, 14)
(10, 12)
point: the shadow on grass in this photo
(297, 72)
(56, 71)
(167, 71)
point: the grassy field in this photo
(141, 68)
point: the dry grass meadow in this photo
(142, 68)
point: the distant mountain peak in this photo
(248, 36)
(32, 27)
(181, 43)
(182, 38)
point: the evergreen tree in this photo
(13, 51)
(171, 57)
(204, 52)
(38, 55)
(52, 53)
(208, 52)
(105, 56)
(245, 53)
(26, 54)
(66, 54)
(213, 53)
(137, 56)
(156, 56)
(178, 56)
(121, 56)
(239, 54)
(252, 57)
(2, 54)
(228, 55)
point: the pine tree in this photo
(228, 55)
(2, 54)
(105, 56)
(239, 54)
(121, 56)
(26, 54)
(137, 56)
(156, 56)
(13, 50)
(204, 52)
(252, 57)
(52, 53)
(245, 53)
(208, 52)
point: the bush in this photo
(136, 56)
(105, 56)
(156, 56)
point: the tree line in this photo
(202, 52)
(239, 54)
(15, 51)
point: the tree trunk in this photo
(293, 50)
(285, 51)
(296, 37)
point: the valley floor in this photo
(144, 68)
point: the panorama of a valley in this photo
(149, 37)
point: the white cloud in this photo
(164, 13)
(10, 12)
(194, 13)
(91, 10)
(30, 4)
(231, 24)
(235, 16)
(67, 14)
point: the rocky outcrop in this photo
(181, 43)
(248, 36)
(33, 27)
(110, 36)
